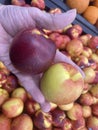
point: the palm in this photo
(12, 20)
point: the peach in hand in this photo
(62, 83)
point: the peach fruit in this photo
(19, 92)
(57, 82)
(92, 123)
(75, 112)
(4, 95)
(74, 47)
(12, 107)
(5, 122)
(22, 122)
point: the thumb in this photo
(52, 21)
(15, 18)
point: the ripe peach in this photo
(59, 40)
(58, 116)
(92, 123)
(94, 57)
(85, 39)
(38, 3)
(86, 99)
(89, 74)
(95, 81)
(87, 52)
(42, 120)
(93, 42)
(86, 88)
(53, 105)
(30, 106)
(94, 90)
(12, 107)
(78, 124)
(19, 93)
(4, 95)
(86, 111)
(66, 107)
(22, 122)
(5, 122)
(75, 112)
(11, 83)
(18, 2)
(67, 124)
(94, 108)
(74, 32)
(57, 82)
(74, 47)
(3, 78)
(82, 61)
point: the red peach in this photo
(57, 82)
(92, 123)
(58, 116)
(86, 88)
(19, 92)
(74, 47)
(5, 122)
(30, 106)
(87, 52)
(89, 74)
(67, 124)
(3, 78)
(11, 83)
(18, 2)
(22, 122)
(93, 42)
(75, 112)
(4, 95)
(94, 90)
(82, 61)
(95, 109)
(66, 107)
(38, 3)
(78, 124)
(86, 111)
(85, 39)
(12, 107)
(86, 99)
(42, 120)
(59, 40)
(74, 31)
(94, 57)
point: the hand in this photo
(15, 18)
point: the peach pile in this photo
(18, 111)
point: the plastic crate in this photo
(87, 27)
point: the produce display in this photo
(73, 98)
(87, 8)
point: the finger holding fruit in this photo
(28, 30)
(61, 91)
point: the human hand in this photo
(12, 20)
